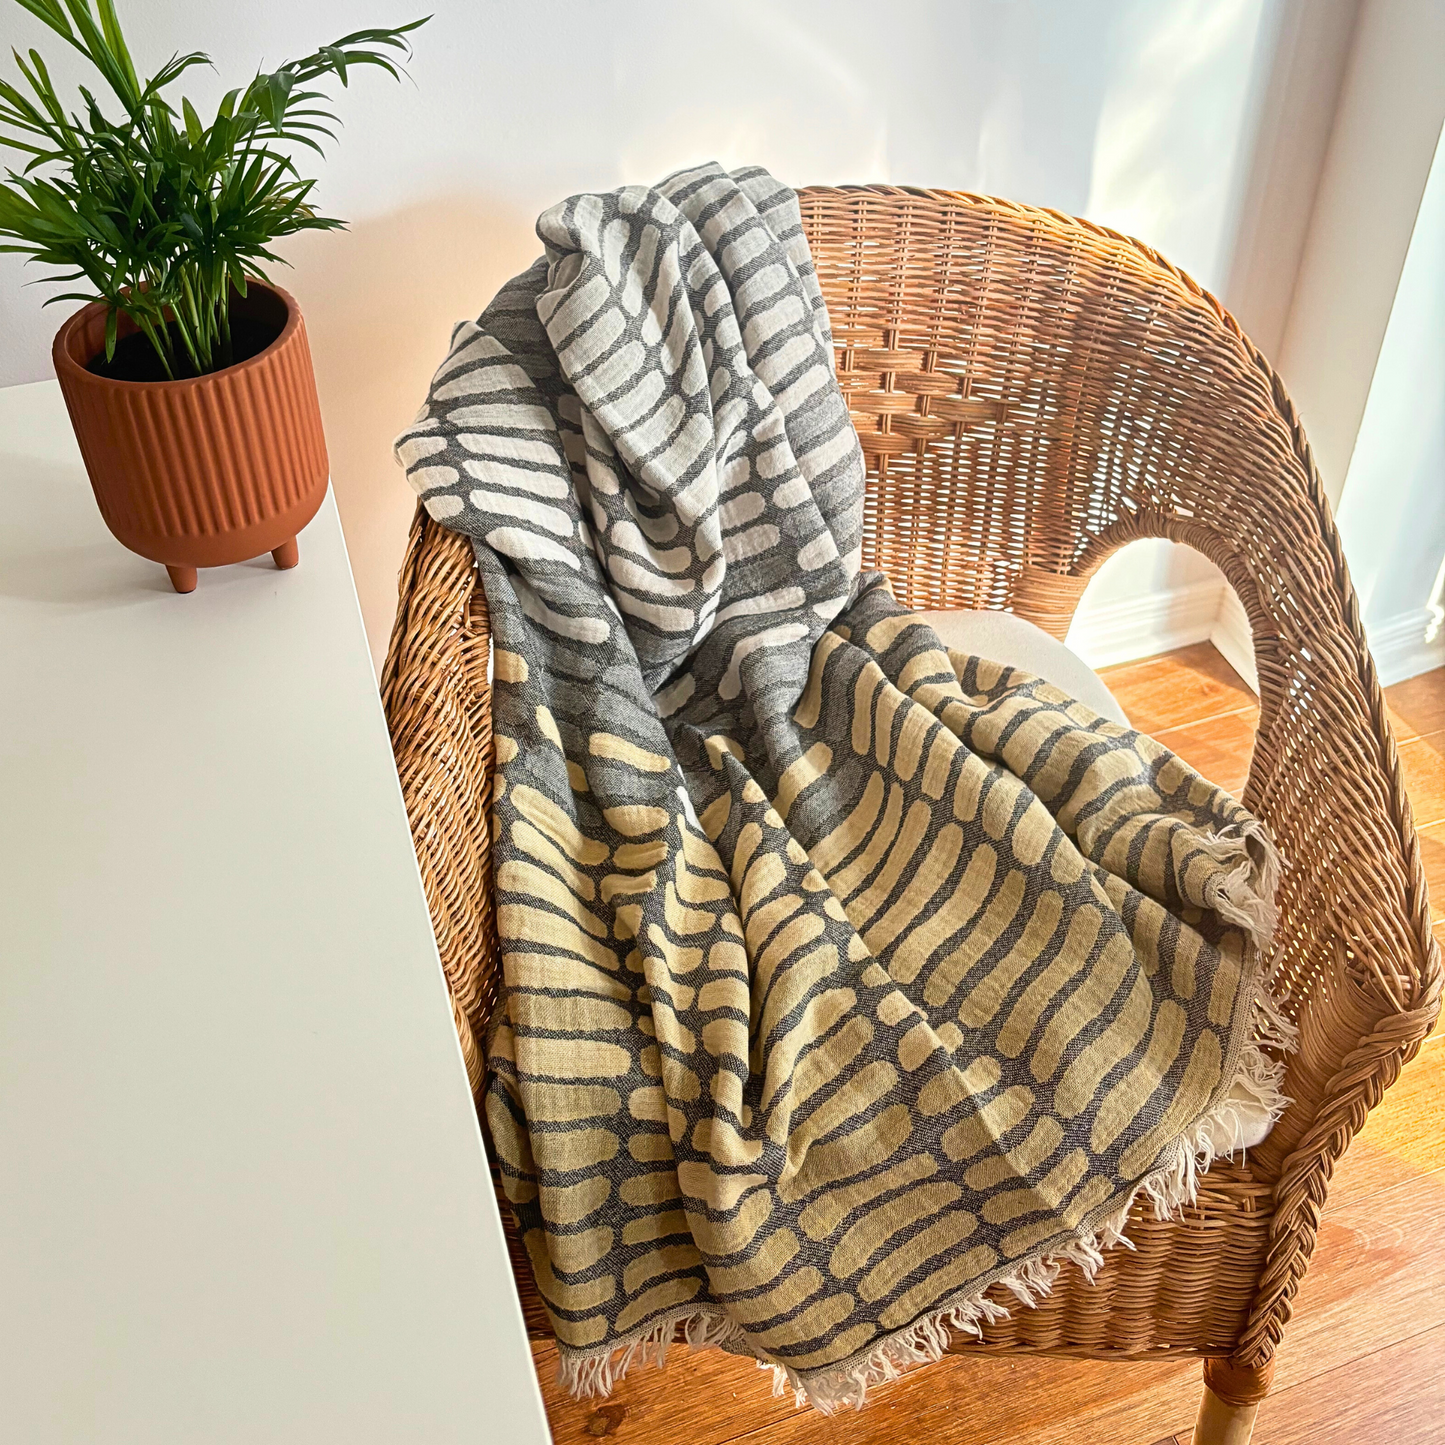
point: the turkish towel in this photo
(844, 977)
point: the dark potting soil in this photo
(135, 358)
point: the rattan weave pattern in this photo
(1033, 392)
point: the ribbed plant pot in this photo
(209, 470)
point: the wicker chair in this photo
(1032, 392)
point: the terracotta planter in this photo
(206, 471)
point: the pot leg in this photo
(286, 555)
(183, 579)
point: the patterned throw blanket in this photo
(844, 977)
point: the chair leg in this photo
(1232, 1394)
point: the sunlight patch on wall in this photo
(1172, 147)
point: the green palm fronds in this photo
(160, 215)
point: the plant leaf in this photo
(195, 131)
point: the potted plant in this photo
(187, 376)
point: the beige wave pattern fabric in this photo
(844, 976)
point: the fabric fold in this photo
(845, 977)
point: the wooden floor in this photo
(1363, 1362)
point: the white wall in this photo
(1392, 513)
(1143, 114)
(1381, 143)
(1308, 44)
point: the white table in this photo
(242, 1191)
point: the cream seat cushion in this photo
(1002, 637)
(1242, 1121)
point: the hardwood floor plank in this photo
(701, 1398)
(711, 1398)
(1402, 1139)
(1022, 1401)
(1167, 1405)
(1219, 748)
(1377, 1277)
(1417, 706)
(1422, 760)
(1432, 852)
(1181, 687)
(1393, 1396)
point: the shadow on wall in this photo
(380, 301)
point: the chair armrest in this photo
(437, 697)
(1354, 946)
(1354, 949)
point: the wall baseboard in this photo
(1404, 646)
(1146, 626)
(1211, 611)
(1233, 638)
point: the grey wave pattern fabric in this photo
(844, 976)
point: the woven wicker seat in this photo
(1032, 392)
